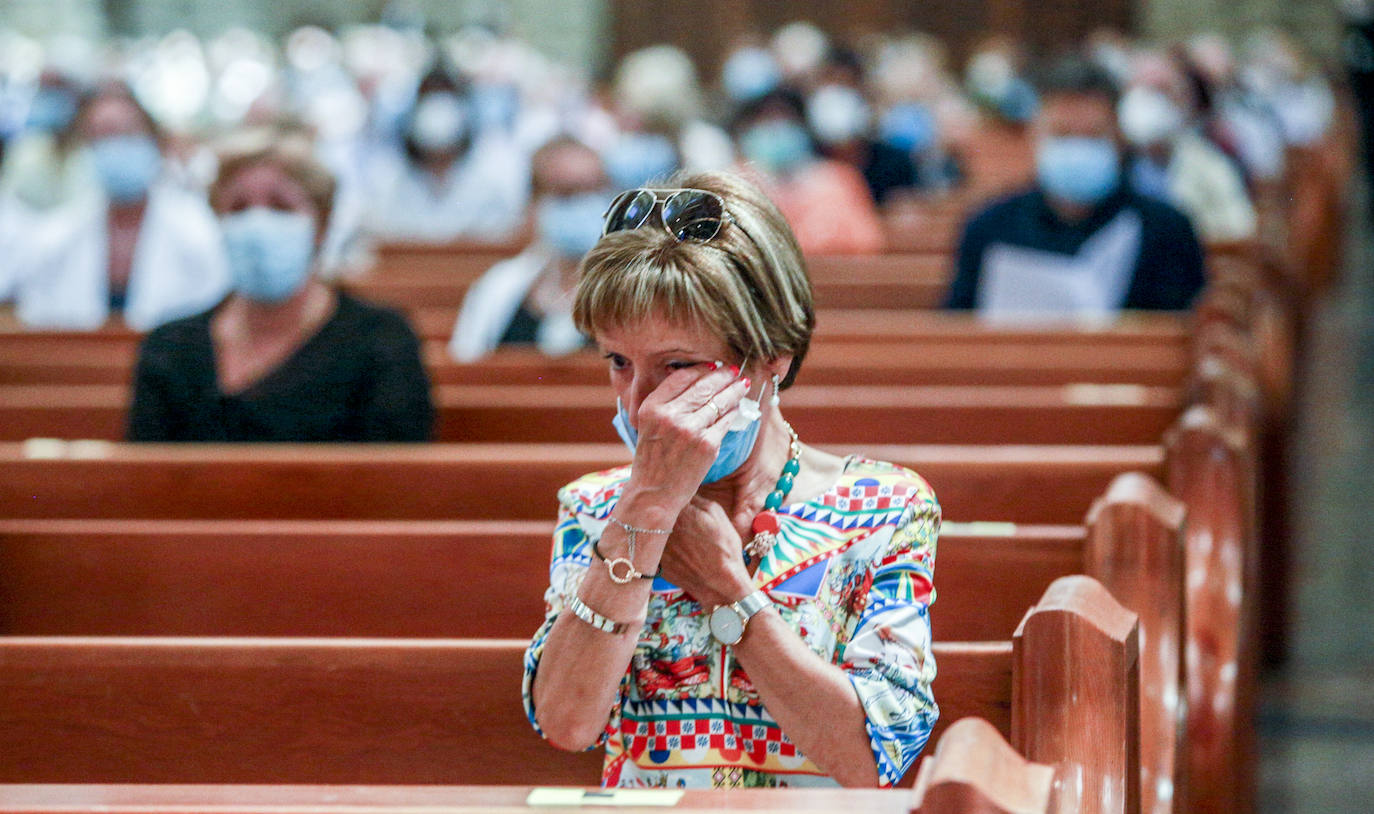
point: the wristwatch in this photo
(728, 621)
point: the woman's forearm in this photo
(812, 701)
(579, 673)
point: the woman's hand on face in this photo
(704, 555)
(681, 425)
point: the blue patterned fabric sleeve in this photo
(888, 656)
(568, 564)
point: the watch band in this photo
(596, 620)
(752, 604)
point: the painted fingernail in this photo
(747, 383)
(717, 365)
(734, 370)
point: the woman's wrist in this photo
(643, 509)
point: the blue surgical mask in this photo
(570, 225)
(1078, 170)
(270, 252)
(51, 110)
(639, 158)
(910, 127)
(735, 447)
(750, 73)
(126, 165)
(778, 145)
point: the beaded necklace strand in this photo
(766, 524)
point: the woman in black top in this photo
(285, 357)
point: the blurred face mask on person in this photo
(749, 73)
(777, 145)
(838, 114)
(51, 110)
(270, 252)
(1149, 117)
(439, 122)
(910, 127)
(571, 184)
(639, 158)
(126, 165)
(270, 231)
(1076, 158)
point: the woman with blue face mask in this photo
(449, 178)
(826, 201)
(137, 245)
(285, 357)
(527, 299)
(729, 573)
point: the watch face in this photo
(726, 626)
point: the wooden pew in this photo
(98, 798)
(1021, 484)
(399, 579)
(827, 363)
(964, 414)
(972, 771)
(231, 710)
(872, 281)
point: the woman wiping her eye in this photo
(733, 608)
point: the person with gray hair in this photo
(734, 607)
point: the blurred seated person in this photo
(144, 246)
(840, 116)
(527, 300)
(45, 165)
(1081, 242)
(826, 202)
(449, 181)
(1160, 115)
(284, 357)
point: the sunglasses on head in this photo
(687, 214)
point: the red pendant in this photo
(766, 521)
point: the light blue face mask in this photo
(779, 145)
(269, 252)
(571, 225)
(735, 447)
(126, 165)
(639, 158)
(1077, 169)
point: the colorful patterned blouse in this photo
(851, 574)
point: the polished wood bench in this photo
(827, 363)
(401, 579)
(1012, 483)
(233, 710)
(956, 414)
(972, 770)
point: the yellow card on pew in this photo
(609, 797)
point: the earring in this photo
(776, 399)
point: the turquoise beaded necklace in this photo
(766, 524)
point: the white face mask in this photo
(1148, 117)
(837, 114)
(439, 121)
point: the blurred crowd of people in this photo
(111, 152)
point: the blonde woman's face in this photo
(641, 355)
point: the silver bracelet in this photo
(631, 573)
(596, 620)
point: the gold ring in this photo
(712, 401)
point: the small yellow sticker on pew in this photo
(552, 797)
(1104, 394)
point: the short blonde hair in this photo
(748, 285)
(283, 147)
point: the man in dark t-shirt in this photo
(1080, 242)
